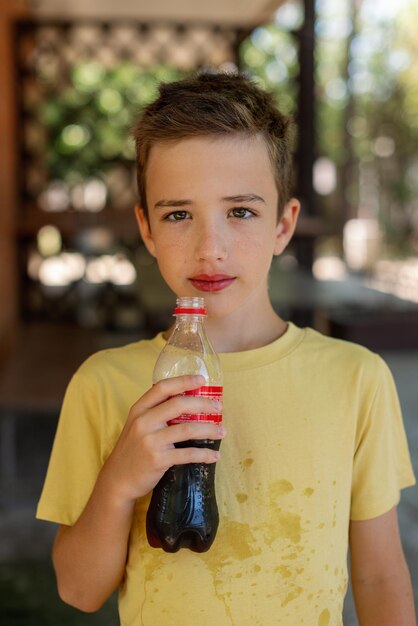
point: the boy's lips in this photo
(215, 282)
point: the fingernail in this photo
(216, 455)
(217, 404)
(221, 430)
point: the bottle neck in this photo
(189, 321)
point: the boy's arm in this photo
(90, 556)
(379, 574)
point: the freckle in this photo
(326, 567)
(299, 570)
(239, 575)
(253, 584)
(308, 492)
(313, 551)
(321, 525)
(248, 462)
(336, 571)
(334, 482)
(241, 497)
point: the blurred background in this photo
(74, 276)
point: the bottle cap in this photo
(190, 305)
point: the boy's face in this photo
(213, 225)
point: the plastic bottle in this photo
(183, 512)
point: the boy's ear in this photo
(286, 225)
(145, 229)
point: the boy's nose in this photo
(210, 245)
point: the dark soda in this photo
(183, 512)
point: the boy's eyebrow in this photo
(246, 197)
(172, 203)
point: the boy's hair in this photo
(215, 104)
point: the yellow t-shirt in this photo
(315, 438)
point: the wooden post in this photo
(10, 10)
(306, 125)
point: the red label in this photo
(207, 391)
(189, 311)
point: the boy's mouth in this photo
(215, 282)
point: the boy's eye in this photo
(242, 213)
(176, 216)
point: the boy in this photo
(315, 452)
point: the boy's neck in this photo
(225, 336)
(230, 334)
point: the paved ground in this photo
(27, 588)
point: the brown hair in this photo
(215, 104)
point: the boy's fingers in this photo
(191, 430)
(163, 390)
(159, 414)
(183, 405)
(183, 456)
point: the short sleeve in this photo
(381, 465)
(76, 455)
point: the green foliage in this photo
(88, 121)
(366, 82)
(270, 56)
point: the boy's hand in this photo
(145, 449)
